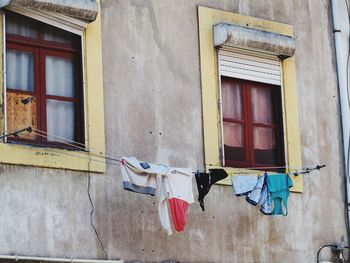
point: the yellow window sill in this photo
(50, 158)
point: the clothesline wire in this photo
(118, 160)
(85, 151)
(89, 154)
(75, 145)
(77, 156)
(115, 159)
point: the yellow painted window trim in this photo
(94, 115)
(207, 18)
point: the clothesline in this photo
(107, 159)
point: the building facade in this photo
(149, 82)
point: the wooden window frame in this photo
(248, 124)
(41, 48)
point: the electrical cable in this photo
(89, 196)
(319, 251)
(92, 213)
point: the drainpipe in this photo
(341, 38)
(47, 259)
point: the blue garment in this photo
(278, 186)
(253, 197)
(243, 184)
(265, 200)
(256, 190)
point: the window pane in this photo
(21, 113)
(231, 99)
(60, 119)
(20, 70)
(60, 77)
(57, 35)
(265, 146)
(21, 26)
(234, 142)
(262, 105)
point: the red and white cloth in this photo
(176, 192)
(175, 189)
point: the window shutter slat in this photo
(250, 65)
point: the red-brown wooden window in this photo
(252, 124)
(43, 81)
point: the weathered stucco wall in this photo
(153, 111)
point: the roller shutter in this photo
(250, 65)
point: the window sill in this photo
(49, 158)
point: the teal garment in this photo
(278, 185)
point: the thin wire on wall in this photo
(84, 153)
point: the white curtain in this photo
(231, 100)
(262, 112)
(60, 119)
(21, 26)
(60, 81)
(264, 138)
(262, 107)
(20, 70)
(60, 76)
(231, 93)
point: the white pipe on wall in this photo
(47, 259)
(341, 37)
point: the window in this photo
(243, 152)
(252, 123)
(43, 38)
(44, 81)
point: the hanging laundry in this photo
(254, 196)
(244, 184)
(206, 180)
(255, 189)
(176, 188)
(278, 186)
(178, 210)
(265, 201)
(138, 179)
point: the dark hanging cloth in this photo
(206, 180)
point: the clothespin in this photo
(318, 167)
(197, 173)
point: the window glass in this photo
(262, 105)
(60, 119)
(231, 99)
(43, 81)
(251, 123)
(21, 26)
(234, 141)
(265, 147)
(21, 112)
(20, 70)
(54, 34)
(60, 77)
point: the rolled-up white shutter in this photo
(250, 65)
